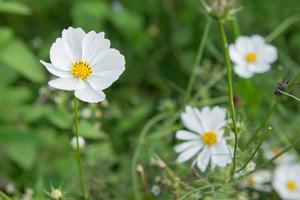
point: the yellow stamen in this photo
(210, 138)
(251, 57)
(292, 186)
(81, 69)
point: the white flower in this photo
(81, 142)
(269, 152)
(56, 194)
(204, 138)
(286, 181)
(258, 180)
(84, 63)
(252, 55)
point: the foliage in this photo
(159, 39)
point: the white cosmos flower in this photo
(204, 138)
(84, 63)
(286, 181)
(258, 180)
(252, 55)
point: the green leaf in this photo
(6, 35)
(87, 130)
(24, 154)
(17, 56)
(87, 14)
(60, 117)
(14, 7)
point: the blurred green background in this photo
(159, 39)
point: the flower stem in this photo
(230, 94)
(197, 61)
(264, 136)
(266, 119)
(282, 27)
(78, 157)
(4, 196)
(152, 122)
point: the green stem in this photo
(272, 159)
(282, 27)
(266, 119)
(264, 136)
(4, 196)
(197, 61)
(78, 157)
(230, 94)
(137, 151)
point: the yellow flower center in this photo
(210, 138)
(81, 69)
(292, 186)
(251, 57)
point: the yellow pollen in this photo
(251, 57)
(209, 138)
(81, 69)
(292, 186)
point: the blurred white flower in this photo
(258, 180)
(250, 166)
(86, 113)
(84, 63)
(155, 190)
(10, 188)
(204, 138)
(28, 194)
(286, 181)
(56, 194)
(252, 55)
(81, 142)
(269, 152)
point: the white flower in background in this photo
(204, 138)
(81, 142)
(56, 194)
(252, 55)
(84, 63)
(286, 181)
(258, 180)
(269, 152)
(250, 166)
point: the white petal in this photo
(190, 120)
(55, 71)
(236, 56)
(61, 55)
(244, 44)
(185, 145)
(93, 44)
(109, 60)
(217, 118)
(258, 40)
(186, 135)
(220, 154)
(203, 159)
(242, 71)
(102, 82)
(257, 68)
(73, 37)
(69, 84)
(267, 54)
(88, 94)
(189, 153)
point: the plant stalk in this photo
(230, 94)
(197, 61)
(78, 157)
